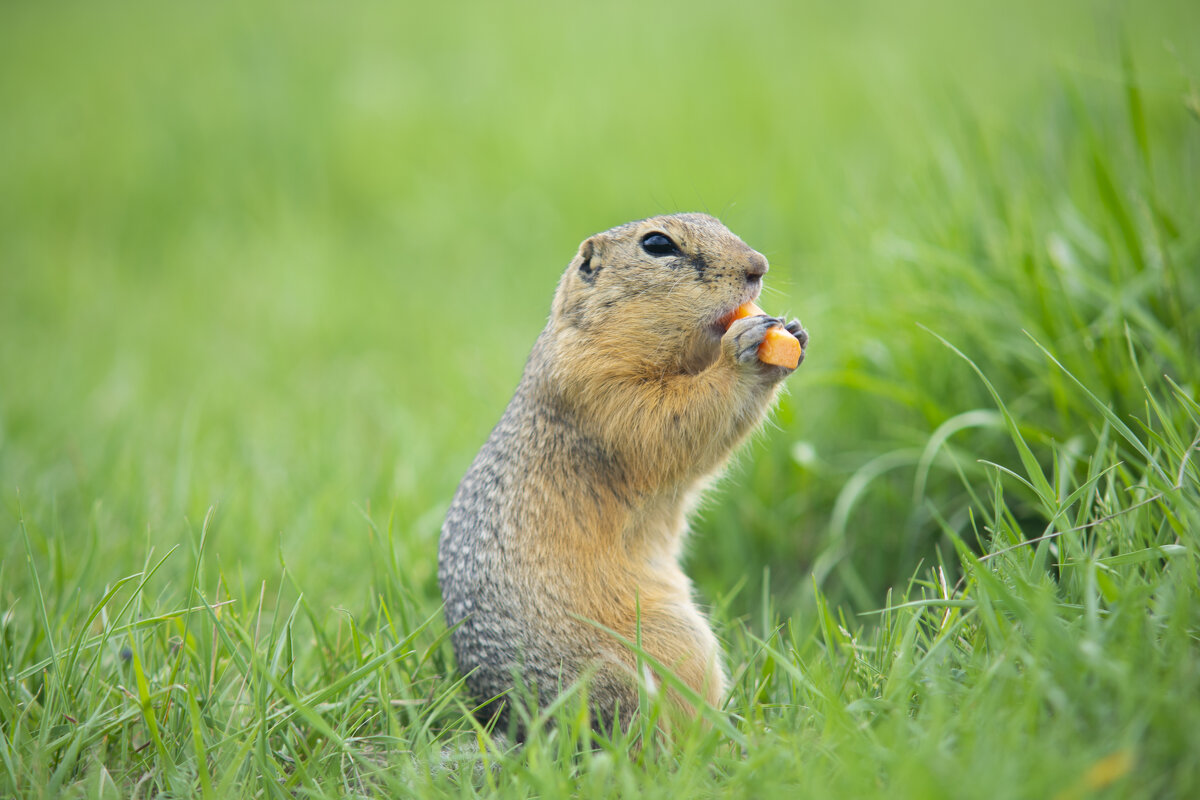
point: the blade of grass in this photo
(1037, 478)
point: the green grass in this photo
(236, 242)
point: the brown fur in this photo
(576, 508)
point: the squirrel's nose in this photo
(756, 267)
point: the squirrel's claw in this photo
(796, 329)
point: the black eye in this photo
(659, 244)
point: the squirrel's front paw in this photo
(742, 340)
(796, 329)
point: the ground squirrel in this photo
(575, 510)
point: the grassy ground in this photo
(268, 276)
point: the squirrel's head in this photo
(657, 290)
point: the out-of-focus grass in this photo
(268, 276)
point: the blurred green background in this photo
(286, 260)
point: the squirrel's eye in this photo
(659, 244)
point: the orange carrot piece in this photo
(778, 346)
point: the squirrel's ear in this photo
(585, 262)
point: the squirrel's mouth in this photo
(705, 349)
(728, 314)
